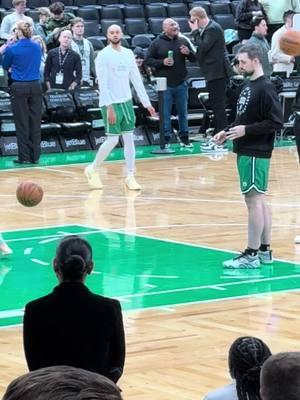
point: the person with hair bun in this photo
(246, 357)
(23, 58)
(73, 326)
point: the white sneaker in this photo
(297, 239)
(265, 257)
(212, 147)
(242, 261)
(5, 250)
(186, 145)
(132, 184)
(93, 177)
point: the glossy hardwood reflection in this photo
(179, 353)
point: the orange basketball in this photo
(29, 194)
(289, 42)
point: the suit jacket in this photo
(72, 326)
(211, 52)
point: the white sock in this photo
(105, 149)
(129, 153)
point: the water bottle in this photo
(170, 54)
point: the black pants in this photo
(26, 100)
(217, 99)
(297, 133)
(244, 34)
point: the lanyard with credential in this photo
(62, 59)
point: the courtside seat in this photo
(134, 11)
(88, 14)
(234, 4)
(97, 42)
(155, 25)
(135, 26)
(87, 103)
(142, 40)
(183, 24)
(36, 3)
(177, 10)
(156, 10)
(112, 12)
(220, 8)
(106, 23)
(34, 14)
(227, 21)
(91, 28)
(5, 106)
(61, 108)
(87, 3)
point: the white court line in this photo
(39, 228)
(192, 288)
(176, 242)
(11, 313)
(54, 236)
(28, 250)
(60, 171)
(158, 276)
(50, 239)
(170, 307)
(216, 287)
(37, 261)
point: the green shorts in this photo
(254, 173)
(125, 122)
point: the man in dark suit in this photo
(72, 326)
(213, 60)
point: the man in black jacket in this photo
(259, 115)
(168, 54)
(214, 63)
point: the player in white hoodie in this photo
(115, 69)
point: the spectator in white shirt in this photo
(9, 21)
(281, 61)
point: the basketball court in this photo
(159, 252)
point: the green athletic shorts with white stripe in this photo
(254, 173)
(125, 122)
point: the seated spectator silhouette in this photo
(72, 326)
(62, 383)
(280, 377)
(246, 356)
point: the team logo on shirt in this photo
(243, 100)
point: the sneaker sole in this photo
(266, 262)
(136, 189)
(242, 267)
(86, 173)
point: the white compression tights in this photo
(109, 144)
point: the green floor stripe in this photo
(142, 272)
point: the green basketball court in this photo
(142, 272)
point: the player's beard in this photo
(115, 41)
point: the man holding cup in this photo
(167, 55)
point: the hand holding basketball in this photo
(29, 194)
(289, 42)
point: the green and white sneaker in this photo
(265, 257)
(243, 261)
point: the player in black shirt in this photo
(259, 116)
